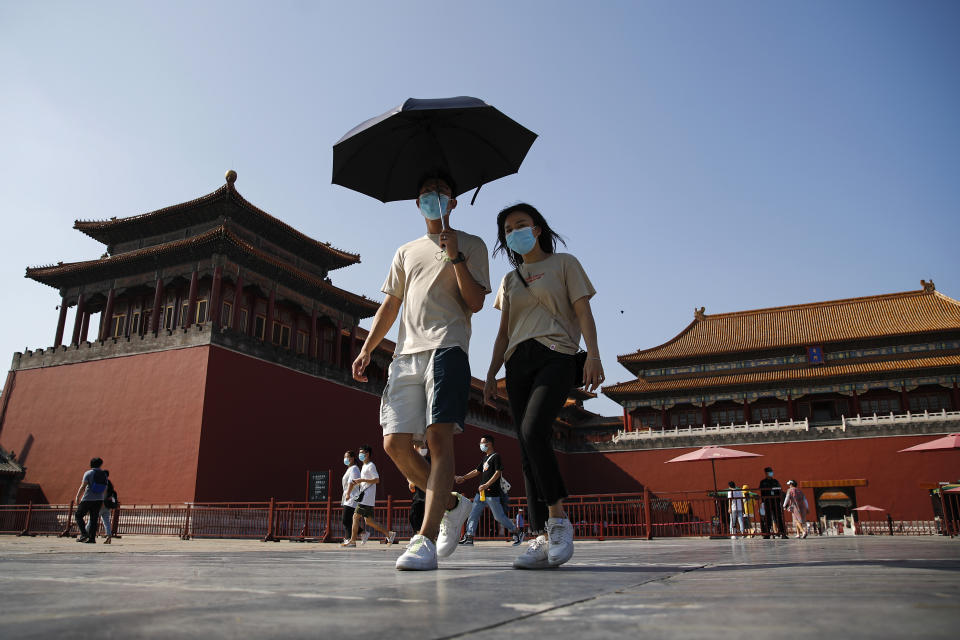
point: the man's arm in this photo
(386, 316)
(471, 291)
(80, 491)
(466, 476)
(494, 479)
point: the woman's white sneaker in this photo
(421, 555)
(560, 535)
(535, 557)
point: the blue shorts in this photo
(425, 388)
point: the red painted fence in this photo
(599, 516)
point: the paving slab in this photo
(145, 587)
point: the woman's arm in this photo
(593, 369)
(496, 360)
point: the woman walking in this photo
(349, 499)
(545, 307)
(796, 502)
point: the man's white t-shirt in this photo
(352, 473)
(434, 314)
(736, 500)
(369, 472)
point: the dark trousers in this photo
(772, 512)
(348, 522)
(416, 515)
(89, 508)
(538, 383)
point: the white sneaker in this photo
(560, 535)
(421, 555)
(391, 537)
(364, 537)
(450, 526)
(535, 557)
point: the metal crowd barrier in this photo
(599, 516)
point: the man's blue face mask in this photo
(434, 205)
(521, 240)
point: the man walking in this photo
(90, 495)
(771, 505)
(489, 493)
(439, 280)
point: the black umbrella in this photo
(464, 138)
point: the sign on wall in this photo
(316, 486)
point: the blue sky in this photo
(728, 155)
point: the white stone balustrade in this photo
(676, 432)
(903, 418)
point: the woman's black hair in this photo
(352, 455)
(548, 237)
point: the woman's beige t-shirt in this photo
(544, 311)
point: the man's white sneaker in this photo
(421, 555)
(560, 535)
(364, 537)
(535, 557)
(391, 537)
(450, 526)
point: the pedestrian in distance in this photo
(749, 509)
(367, 498)
(348, 501)
(435, 284)
(419, 499)
(797, 504)
(735, 509)
(90, 495)
(489, 493)
(544, 307)
(111, 501)
(771, 510)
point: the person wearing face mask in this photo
(490, 471)
(545, 307)
(367, 483)
(435, 284)
(771, 507)
(349, 499)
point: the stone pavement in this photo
(142, 587)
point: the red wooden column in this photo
(663, 418)
(856, 402)
(627, 420)
(789, 407)
(746, 411)
(192, 299)
(85, 327)
(271, 308)
(107, 320)
(237, 300)
(353, 345)
(704, 415)
(157, 302)
(956, 397)
(78, 320)
(213, 309)
(904, 399)
(312, 344)
(61, 323)
(337, 340)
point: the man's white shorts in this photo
(425, 388)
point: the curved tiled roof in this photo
(124, 229)
(817, 323)
(54, 275)
(803, 374)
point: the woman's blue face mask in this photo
(521, 240)
(434, 205)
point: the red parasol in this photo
(951, 441)
(713, 453)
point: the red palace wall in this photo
(141, 414)
(894, 480)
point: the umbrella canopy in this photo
(951, 441)
(869, 507)
(464, 138)
(713, 453)
(954, 490)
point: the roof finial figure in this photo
(699, 314)
(231, 176)
(928, 286)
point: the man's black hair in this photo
(732, 484)
(765, 469)
(548, 237)
(366, 448)
(438, 175)
(96, 462)
(488, 438)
